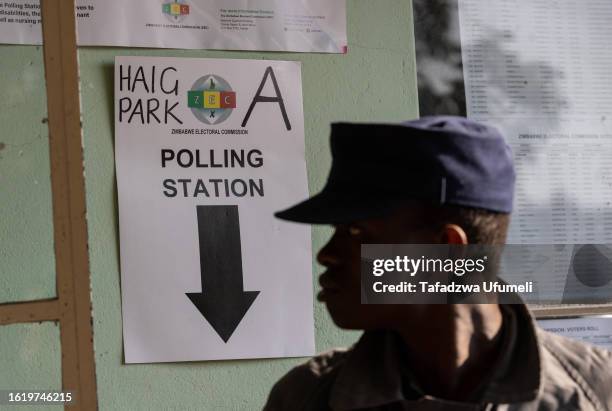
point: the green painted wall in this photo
(27, 264)
(375, 81)
(30, 358)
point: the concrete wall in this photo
(375, 81)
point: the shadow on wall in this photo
(439, 61)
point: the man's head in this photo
(437, 180)
(409, 224)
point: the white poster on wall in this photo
(206, 150)
(592, 330)
(550, 96)
(272, 25)
(540, 72)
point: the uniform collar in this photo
(371, 375)
(518, 372)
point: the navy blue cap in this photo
(437, 160)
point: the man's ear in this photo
(453, 234)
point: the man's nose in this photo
(328, 255)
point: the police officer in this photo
(436, 180)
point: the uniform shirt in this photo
(535, 371)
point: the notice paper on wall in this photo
(593, 330)
(540, 72)
(272, 25)
(206, 151)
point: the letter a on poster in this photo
(206, 151)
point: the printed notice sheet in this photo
(273, 25)
(540, 71)
(593, 330)
(206, 151)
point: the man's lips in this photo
(328, 285)
(327, 280)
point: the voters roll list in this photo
(540, 71)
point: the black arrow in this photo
(223, 301)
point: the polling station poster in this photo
(206, 151)
(269, 25)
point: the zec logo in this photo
(175, 10)
(211, 99)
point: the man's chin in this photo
(346, 324)
(345, 318)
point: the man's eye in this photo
(355, 231)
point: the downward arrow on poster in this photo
(223, 301)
